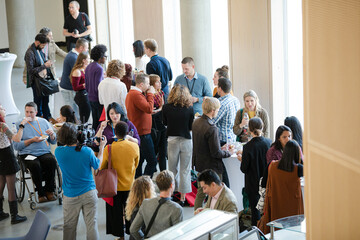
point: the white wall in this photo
(50, 14)
(4, 38)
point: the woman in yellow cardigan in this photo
(124, 159)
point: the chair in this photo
(39, 228)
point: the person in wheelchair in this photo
(37, 135)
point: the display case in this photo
(209, 224)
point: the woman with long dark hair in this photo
(140, 57)
(8, 168)
(282, 136)
(77, 77)
(253, 164)
(283, 189)
(294, 124)
(67, 114)
(115, 114)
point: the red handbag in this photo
(106, 180)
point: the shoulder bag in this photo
(106, 180)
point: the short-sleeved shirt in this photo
(76, 169)
(80, 23)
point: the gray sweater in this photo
(169, 214)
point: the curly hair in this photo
(141, 189)
(116, 68)
(180, 95)
(98, 52)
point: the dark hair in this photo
(81, 42)
(209, 176)
(69, 113)
(31, 104)
(42, 38)
(164, 180)
(140, 78)
(224, 84)
(256, 125)
(294, 124)
(121, 129)
(138, 48)
(67, 134)
(279, 131)
(188, 60)
(290, 157)
(45, 30)
(98, 52)
(223, 71)
(118, 109)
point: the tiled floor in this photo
(52, 209)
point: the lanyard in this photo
(112, 127)
(187, 83)
(40, 133)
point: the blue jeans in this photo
(42, 103)
(146, 152)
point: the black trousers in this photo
(42, 168)
(96, 110)
(81, 99)
(115, 215)
(255, 214)
(225, 176)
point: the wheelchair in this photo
(24, 174)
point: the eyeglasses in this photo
(105, 56)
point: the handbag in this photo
(46, 86)
(106, 180)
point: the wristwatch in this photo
(21, 126)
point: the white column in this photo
(21, 27)
(196, 35)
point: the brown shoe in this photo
(50, 196)
(52, 121)
(42, 199)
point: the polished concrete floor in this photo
(52, 209)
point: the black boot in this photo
(2, 214)
(15, 218)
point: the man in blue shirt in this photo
(66, 89)
(158, 65)
(229, 105)
(197, 84)
(37, 135)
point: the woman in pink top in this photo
(77, 77)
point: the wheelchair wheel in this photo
(20, 183)
(58, 184)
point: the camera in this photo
(85, 136)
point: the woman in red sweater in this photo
(77, 77)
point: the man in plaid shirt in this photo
(229, 105)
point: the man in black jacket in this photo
(39, 67)
(207, 153)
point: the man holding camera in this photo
(36, 137)
(77, 25)
(76, 161)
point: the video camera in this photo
(85, 136)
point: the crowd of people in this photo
(139, 119)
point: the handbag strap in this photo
(109, 160)
(161, 202)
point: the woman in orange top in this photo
(219, 73)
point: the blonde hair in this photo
(141, 189)
(209, 104)
(180, 95)
(79, 63)
(116, 68)
(153, 79)
(252, 93)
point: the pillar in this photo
(21, 27)
(196, 35)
